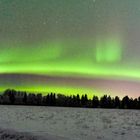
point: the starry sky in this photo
(70, 46)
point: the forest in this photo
(13, 97)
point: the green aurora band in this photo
(54, 58)
(67, 58)
(63, 57)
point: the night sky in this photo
(70, 46)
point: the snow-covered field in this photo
(55, 123)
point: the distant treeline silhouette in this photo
(13, 97)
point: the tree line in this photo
(13, 97)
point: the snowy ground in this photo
(54, 123)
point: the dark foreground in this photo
(55, 123)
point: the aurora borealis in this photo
(70, 46)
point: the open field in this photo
(54, 123)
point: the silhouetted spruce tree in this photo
(131, 104)
(117, 102)
(61, 100)
(25, 98)
(12, 96)
(138, 102)
(95, 102)
(82, 100)
(78, 100)
(89, 103)
(103, 102)
(109, 102)
(69, 101)
(73, 101)
(86, 98)
(7, 92)
(113, 102)
(39, 99)
(44, 99)
(48, 100)
(54, 99)
(125, 102)
(135, 103)
(31, 99)
(51, 99)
